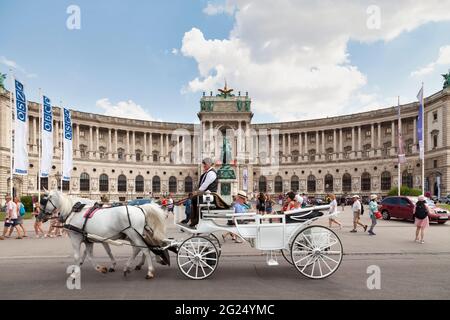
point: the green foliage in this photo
(405, 191)
(27, 202)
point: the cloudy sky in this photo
(297, 59)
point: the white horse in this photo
(109, 223)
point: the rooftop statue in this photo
(2, 80)
(447, 80)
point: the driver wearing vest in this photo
(208, 182)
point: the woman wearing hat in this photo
(357, 208)
(421, 218)
(333, 211)
(239, 206)
(373, 207)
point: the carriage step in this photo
(271, 258)
(272, 262)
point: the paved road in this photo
(33, 268)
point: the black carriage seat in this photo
(302, 216)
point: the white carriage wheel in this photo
(197, 258)
(286, 253)
(316, 252)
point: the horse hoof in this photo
(102, 269)
(149, 276)
(137, 268)
(111, 270)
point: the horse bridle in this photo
(44, 203)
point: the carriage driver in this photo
(208, 182)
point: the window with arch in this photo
(83, 151)
(155, 156)
(347, 182)
(122, 183)
(84, 182)
(188, 185)
(311, 183)
(312, 155)
(156, 184)
(328, 183)
(295, 183)
(407, 179)
(295, 155)
(365, 181)
(139, 155)
(139, 183)
(262, 185)
(104, 183)
(120, 154)
(102, 152)
(173, 184)
(278, 184)
(386, 181)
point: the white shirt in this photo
(333, 207)
(356, 206)
(11, 209)
(210, 177)
(299, 199)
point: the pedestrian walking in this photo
(343, 201)
(20, 214)
(357, 209)
(373, 207)
(421, 218)
(261, 203)
(37, 222)
(187, 208)
(333, 211)
(11, 219)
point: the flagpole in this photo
(62, 144)
(423, 139)
(399, 148)
(11, 184)
(39, 145)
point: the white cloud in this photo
(124, 109)
(175, 51)
(292, 56)
(13, 65)
(443, 59)
(214, 9)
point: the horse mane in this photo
(65, 202)
(155, 218)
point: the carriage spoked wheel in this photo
(316, 252)
(197, 257)
(286, 253)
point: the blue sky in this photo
(124, 53)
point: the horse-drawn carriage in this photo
(314, 250)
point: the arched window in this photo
(122, 183)
(386, 181)
(262, 184)
(120, 154)
(347, 182)
(278, 184)
(188, 186)
(311, 183)
(156, 184)
(328, 183)
(295, 183)
(139, 184)
(102, 151)
(104, 183)
(172, 184)
(155, 156)
(407, 179)
(365, 182)
(84, 182)
(139, 155)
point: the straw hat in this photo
(373, 197)
(242, 194)
(355, 196)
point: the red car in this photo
(403, 208)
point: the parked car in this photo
(139, 202)
(445, 200)
(403, 208)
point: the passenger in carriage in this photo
(240, 206)
(291, 203)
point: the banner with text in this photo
(20, 131)
(67, 130)
(47, 137)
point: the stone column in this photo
(127, 142)
(306, 143)
(334, 143)
(91, 143)
(145, 146)
(183, 150)
(359, 138)
(57, 138)
(133, 152)
(177, 148)
(353, 139)
(300, 146)
(109, 144)
(317, 143)
(161, 147)
(116, 145)
(379, 135)
(167, 148)
(239, 140)
(289, 144)
(372, 138)
(150, 150)
(97, 142)
(415, 131)
(393, 133)
(34, 133)
(323, 141)
(77, 142)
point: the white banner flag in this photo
(67, 129)
(20, 131)
(47, 137)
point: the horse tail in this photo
(155, 219)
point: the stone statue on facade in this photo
(446, 80)
(2, 80)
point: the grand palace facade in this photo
(120, 159)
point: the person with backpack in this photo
(421, 218)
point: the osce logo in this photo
(48, 118)
(67, 125)
(21, 105)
